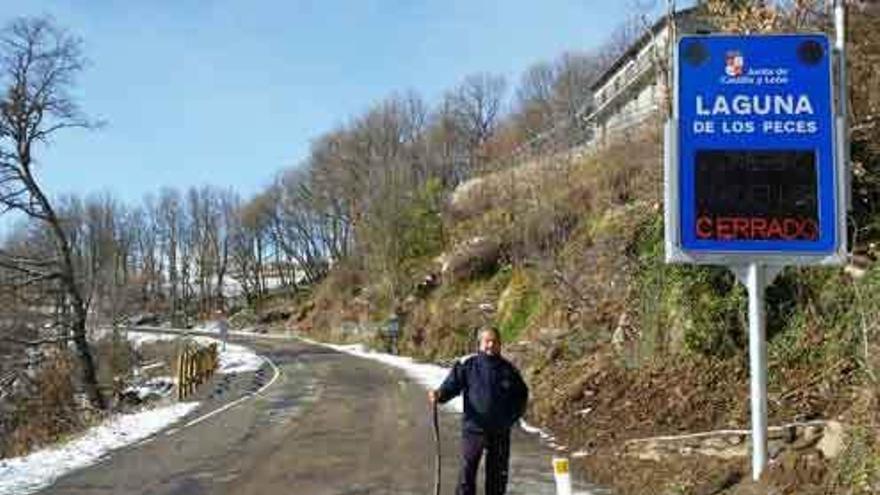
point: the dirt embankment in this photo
(598, 407)
(567, 262)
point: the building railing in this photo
(642, 68)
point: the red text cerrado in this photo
(757, 228)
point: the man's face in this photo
(490, 344)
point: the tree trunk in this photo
(87, 361)
(68, 281)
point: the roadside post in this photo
(755, 171)
(393, 332)
(562, 476)
(222, 328)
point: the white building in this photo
(632, 88)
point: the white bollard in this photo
(562, 475)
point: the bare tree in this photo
(621, 39)
(38, 64)
(571, 90)
(534, 98)
(476, 109)
(169, 216)
(248, 246)
(306, 229)
(448, 153)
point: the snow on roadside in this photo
(212, 326)
(27, 474)
(138, 339)
(39, 469)
(157, 387)
(233, 359)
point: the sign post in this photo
(393, 332)
(753, 174)
(756, 283)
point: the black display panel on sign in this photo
(756, 195)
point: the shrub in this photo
(691, 308)
(517, 304)
(44, 409)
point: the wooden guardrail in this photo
(195, 366)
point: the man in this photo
(495, 398)
(222, 328)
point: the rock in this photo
(715, 443)
(468, 198)
(810, 435)
(617, 339)
(735, 439)
(648, 451)
(774, 449)
(473, 257)
(832, 442)
(550, 335)
(427, 284)
(584, 412)
(622, 332)
(812, 432)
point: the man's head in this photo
(490, 341)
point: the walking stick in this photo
(437, 452)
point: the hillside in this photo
(564, 255)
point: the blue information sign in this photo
(755, 163)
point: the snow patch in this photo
(27, 474)
(37, 470)
(534, 430)
(138, 339)
(212, 326)
(160, 386)
(235, 358)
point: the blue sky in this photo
(230, 92)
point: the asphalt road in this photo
(329, 424)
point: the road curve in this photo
(329, 423)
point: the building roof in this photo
(633, 50)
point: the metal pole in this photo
(842, 99)
(756, 282)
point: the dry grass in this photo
(533, 209)
(340, 300)
(47, 405)
(45, 410)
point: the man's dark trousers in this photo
(497, 447)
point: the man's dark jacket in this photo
(494, 393)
